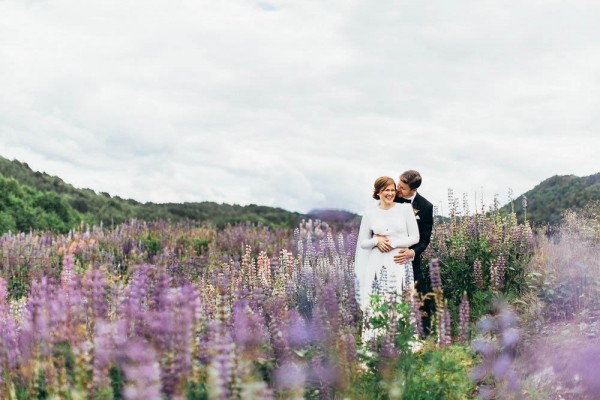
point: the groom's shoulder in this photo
(423, 201)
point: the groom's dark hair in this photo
(412, 178)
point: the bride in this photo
(383, 231)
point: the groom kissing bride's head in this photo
(407, 186)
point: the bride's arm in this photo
(365, 235)
(412, 229)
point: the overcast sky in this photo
(300, 104)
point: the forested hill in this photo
(547, 201)
(36, 200)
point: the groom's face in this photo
(404, 190)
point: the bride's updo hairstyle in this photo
(381, 183)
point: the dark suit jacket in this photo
(424, 213)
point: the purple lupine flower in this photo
(434, 273)
(389, 350)
(464, 311)
(3, 298)
(128, 246)
(134, 303)
(518, 234)
(95, 290)
(297, 330)
(497, 355)
(340, 243)
(161, 290)
(35, 323)
(530, 237)
(331, 306)
(104, 353)
(221, 367)
(8, 333)
(275, 264)
(326, 373)
(249, 331)
(478, 274)
(290, 376)
(472, 227)
(445, 333)
(494, 276)
(277, 317)
(349, 346)
(140, 366)
(69, 311)
(179, 341)
(486, 324)
(497, 272)
(501, 270)
(67, 268)
(415, 313)
(9, 343)
(331, 244)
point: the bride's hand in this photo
(383, 243)
(404, 256)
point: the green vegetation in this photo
(35, 200)
(23, 208)
(547, 201)
(482, 255)
(393, 369)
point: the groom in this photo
(407, 193)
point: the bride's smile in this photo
(387, 196)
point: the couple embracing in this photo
(392, 238)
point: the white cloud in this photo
(299, 104)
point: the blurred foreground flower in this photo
(496, 346)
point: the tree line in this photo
(37, 201)
(547, 201)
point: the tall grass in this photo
(565, 269)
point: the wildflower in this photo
(141, 369)
(478, 274)
(495, 373)
(434, 273)
(497, 273)
(463, 318)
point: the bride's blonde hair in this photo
(381, 183)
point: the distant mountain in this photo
(335, 217)
(547, 201)
(36, 200)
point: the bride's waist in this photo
(395, 236)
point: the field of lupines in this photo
(157, 310)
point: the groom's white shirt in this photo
(411, 198)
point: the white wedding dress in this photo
(376, 272)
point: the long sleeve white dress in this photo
(376, 272)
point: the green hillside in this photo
(547, 201)
(36, 200)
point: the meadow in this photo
(151, 310)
